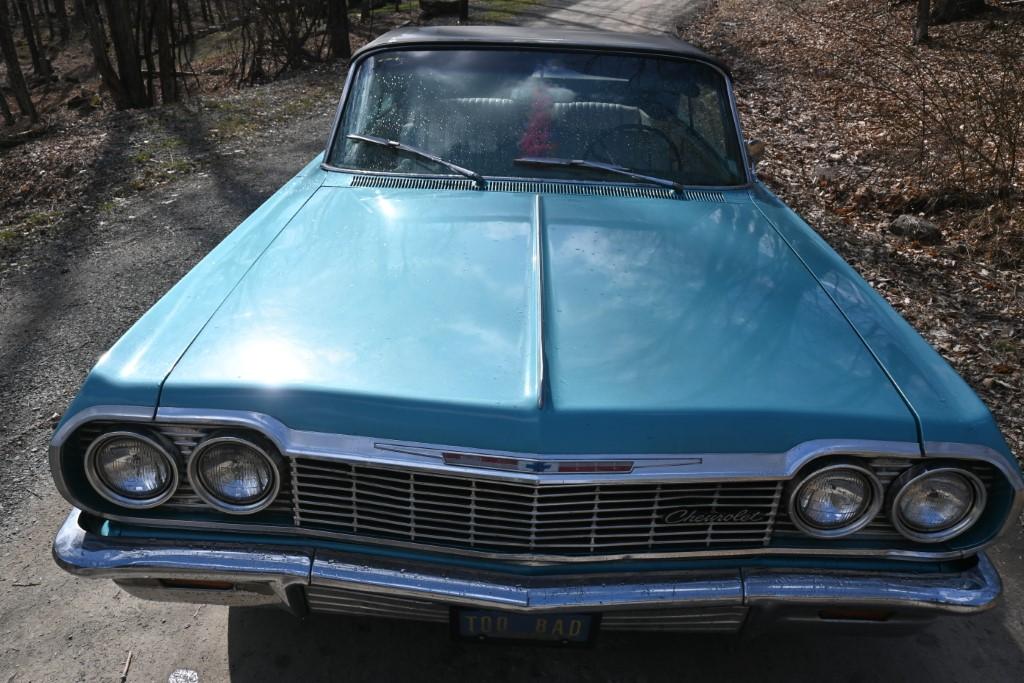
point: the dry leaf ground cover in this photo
(827, 85)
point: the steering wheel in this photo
(598, 150)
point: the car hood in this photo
(539, 323)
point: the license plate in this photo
(478, 624)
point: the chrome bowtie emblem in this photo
(537, 466)
(712, 516)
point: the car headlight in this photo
(234, 474)
(835, 500)
(936, 502)
(131, 469)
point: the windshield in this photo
(483, 109)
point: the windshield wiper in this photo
(600, 166)
(415, 151)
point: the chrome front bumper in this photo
(298, 578)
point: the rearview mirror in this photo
(755, 151)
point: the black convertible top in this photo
(436, 36)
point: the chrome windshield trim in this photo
(429, 458)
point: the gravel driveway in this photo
(58, 314)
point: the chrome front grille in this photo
(326, 600)
(518, 519)
(692, 620)
(338, 601)
(526, 517)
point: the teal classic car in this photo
(529, 350)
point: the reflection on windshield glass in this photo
(482, 109)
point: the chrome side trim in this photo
(429, 458)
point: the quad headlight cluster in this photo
(928, 503)
(135, 469)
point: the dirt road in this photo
(59, 313)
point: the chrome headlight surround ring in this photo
(899, 487)
(870, 512)
(107, 492)
(199, 486)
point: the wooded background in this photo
(142, 48)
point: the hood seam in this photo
(918, 426)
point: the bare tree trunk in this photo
(186, 16)
(60, 7)
(40, 64)
(921, 27)
(5, 109)
(98, 41)
(125, 50)
(337, 28)
(165, 50)
(50, 14)
(463, 10)
(14, 75)
(144, 41)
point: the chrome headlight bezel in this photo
(899, 488)
(211, 498)
(866, 516)
(107, 492)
